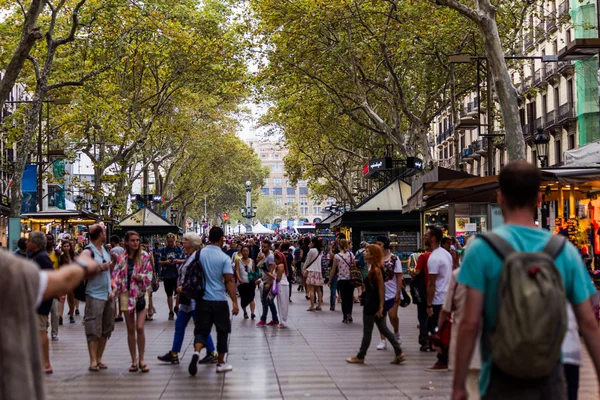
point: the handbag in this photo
(276, 288)
(405, 300)
(441, 338)
(155, 285)
(140, 303)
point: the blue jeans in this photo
(183, 318)
(333, 290)
(266, 306)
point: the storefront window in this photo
(470, 219)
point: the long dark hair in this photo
(317, 243)
(63, 256)
(138, 254)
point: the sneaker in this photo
(171, 316)
(272, 323)
(209, 359)
(60, 320)
(382, 345)
(261, 323)
(437, 367)
(193, 368)
(54, 338)
(71, 319)
(424, 348)
(399, 338)
(350, 318)
(345, 321)
(224, 368)
(170, 358)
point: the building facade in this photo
(297, 207)
(560, 97)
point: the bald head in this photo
(97, 233)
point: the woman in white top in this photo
(283, 294)
(312, 272)
(243, 266)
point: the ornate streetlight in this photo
(542, 144)
(249, 211)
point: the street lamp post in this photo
(542, 144)
(249, 211)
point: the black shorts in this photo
(170, 285)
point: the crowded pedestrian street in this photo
(305, 361)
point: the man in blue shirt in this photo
(481, 269)
(213, 308)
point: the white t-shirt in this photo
(390, 269)
(440, 264)
(41, 288)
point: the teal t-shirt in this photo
(481, 268)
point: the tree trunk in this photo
(26, 150)
(30, 35)
(506, 91)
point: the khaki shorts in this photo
(124, 301)
(99, 318)
(43, 323)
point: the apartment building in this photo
(295, 200)
(559, 97)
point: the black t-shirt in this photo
(290, 264)
(371, 299)
(43, 261)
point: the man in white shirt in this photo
(439, 266)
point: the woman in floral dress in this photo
(132, 277)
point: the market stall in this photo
(147, 223)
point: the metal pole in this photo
(490, 121)
(453, 119)
(39, 159)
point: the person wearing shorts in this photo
(99, 318)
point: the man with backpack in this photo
(214, 276)
(523, 323)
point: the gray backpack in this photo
(531, 319)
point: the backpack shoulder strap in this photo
(555, 246)
(498, 244)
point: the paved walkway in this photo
(304, 361)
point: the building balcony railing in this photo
(565, 67)
(565, 112)
(551, 21)
(539, 123)
(526, 84)
(540, 30)
(563, 8)
(537, 77)
(476, 145)
(527, 130)
(528, 43)
(549, 70)
(550, 119)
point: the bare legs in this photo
(45, 351)
(315, 293)
(96, 350)
(136, 335)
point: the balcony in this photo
(528, 43)
(566, 114)
(563, 9)
(539, 123)
(527, 131)
(580, 49)
(540, 31)
(566, 68)
(551, 22)
(549, 120)
(537, 77)
(526, 84)
(550, 72)
(466, 155)
(477, 147)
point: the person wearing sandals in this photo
(312, 272)
(342, 263)
(244, 266)
(132, 278)
(373, 310)
(192, 242)
(283, 288)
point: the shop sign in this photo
(414, 162)
(375, 165)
